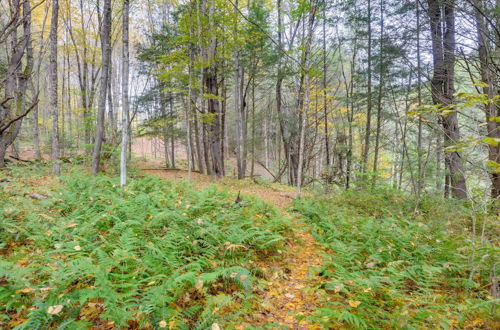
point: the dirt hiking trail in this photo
(291, 290)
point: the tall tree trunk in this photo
(238, 106)
(125, 97)
(106, 58)
(172, 131)
(211, 86)
(17, 52)
(379, 96)
(214, 129)
(325, 108)
(252, 168)
(366, 147)
(491, 109)
(53, 87)
(303, 101)
(285, 134)
(189, 148)
(442, 18)
(420, 172)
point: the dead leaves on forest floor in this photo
(291, 289)
(289, 292)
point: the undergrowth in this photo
(393, 264)
(154, 254)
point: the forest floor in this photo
(290, 291)
(355, 259)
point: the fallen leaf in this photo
(198, 285)
(338, 288)
(162, 324)
(215, 326)
(78, 248)
(72, 225)
(54, 310)
(25, 290)
(354, 303)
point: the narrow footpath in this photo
(291, 291)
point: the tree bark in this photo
(442, 25)
(125, 97)
(106, 58)
(491, 109)
(53, 87)
(366, 147)
(379, 96)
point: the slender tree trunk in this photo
(64, 95)
(420, 172)
(172, 132)
(111, 111)
(252, 169)
(325, 108)
(53, 87)
(188, 125)
(379, 97)
(303, 127)
(106, 59)
(439, 151)
(491, 109)
(238, 106)
(125, 97)
(366, 148)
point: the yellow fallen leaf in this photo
(25, 290)
(162, 324)
(354, 303)
(215, 326)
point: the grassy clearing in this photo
(390, 267)
(155, 254)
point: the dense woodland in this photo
(394, 92)
(388, 108)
